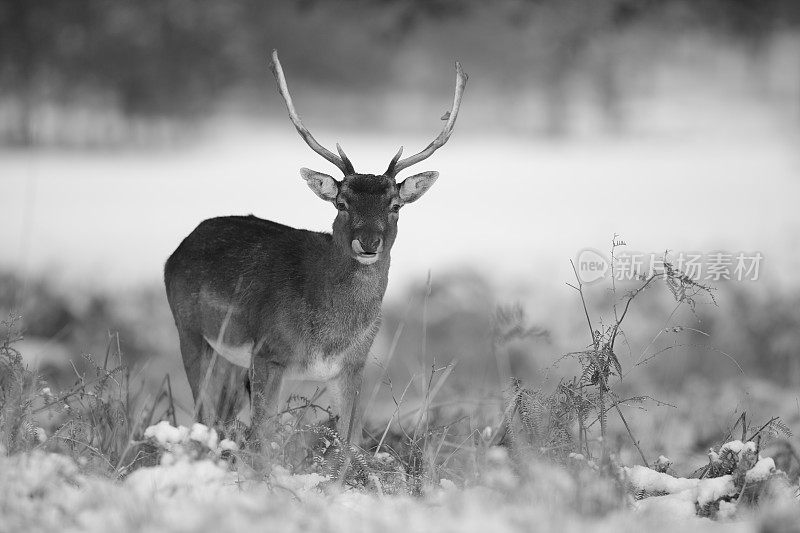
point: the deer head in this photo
(368, 205)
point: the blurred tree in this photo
(165, 58)
(45, 313)
(179, 58)
(408, 15)
(564, 35)
(27, 46)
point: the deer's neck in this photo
(346, 280)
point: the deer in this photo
(256, 302)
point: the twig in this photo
(762, 428)
(579, 288)
(396, 411)
(630, 434)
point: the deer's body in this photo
(255, 301)
(246, 287)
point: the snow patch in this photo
(181, 477)
(761, 471)
(646, 479)
(199, 442)
(680, 506)
(700, 491)
(712, 489)
(298, 483)
(204, 435)
(164, 433)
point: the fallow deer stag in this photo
(255, 301)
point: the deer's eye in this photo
(395, 208)
(341, 206)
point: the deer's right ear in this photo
(324, 186)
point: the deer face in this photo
(368, 209)
(368, 204)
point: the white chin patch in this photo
(367, 260)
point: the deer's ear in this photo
(324, 186)
(415, 186)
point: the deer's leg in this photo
(223, 390)
(345, 389)
(218, 386)
(194, 352)
(266, 378)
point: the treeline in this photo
(179, 58)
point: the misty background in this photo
(673, 124)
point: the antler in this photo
(398, 164)
(343, 163)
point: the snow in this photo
(682, 496)
(164, 433)
(204, 435)
(727, 510)
(46, 492)
(690, 493)
(761, 471)
(738, 448)
(518, 164)
(680, 506)
(735, 446)
(299, 483)
(182, 442)
(194, 490)
(700, 491)
(228, 445)
(712, 489)
(198, 478)
(446, 484)
(647, 479)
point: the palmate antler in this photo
(341, 161)
(398, 165)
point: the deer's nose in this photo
(370, 244)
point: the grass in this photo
(558, 452)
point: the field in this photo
(491, 403)
(586, 441)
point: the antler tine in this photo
(283, 89)
(438, 142)
(390, 171)
(345, 160)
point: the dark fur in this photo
(293, 293)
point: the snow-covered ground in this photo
(45, 492)
(194, 490)
(518, 208)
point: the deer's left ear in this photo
(415, 186)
